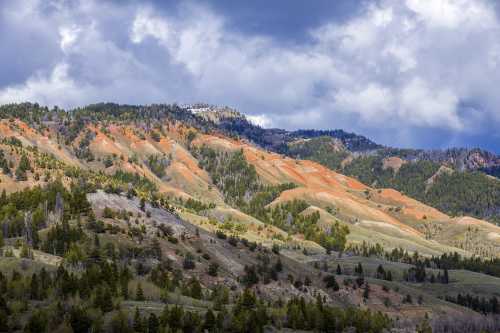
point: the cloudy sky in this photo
(408, 73)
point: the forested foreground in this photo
(98, 298)
(106, 286)
(102, 285)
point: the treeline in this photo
(72, 121)
(320, 150)
(446, 261)
(239, 182)
(476, 303)
(101, 288)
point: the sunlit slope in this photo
(385, 216)
(382, 216)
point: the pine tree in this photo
(176, 318)
(4, 322)
(446, 278)
(3, 198)
(359, 269)
(380, 272)
(279, 266)
(138, 323)
(195, 288)
(366, 291)
(79, 320)
(124, 288)
(38, 322)
(139, 293)
(119, 323)
(213, 269)
(331, 282)
(339, 270)
(103, 299)
(153, 324)
(34, 287)
(209, 323)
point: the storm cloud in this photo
(407, 73)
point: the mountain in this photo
(472, 190)
(192, 218)
(463, 159)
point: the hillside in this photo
(185, 210)
(457, 191)
(359, 157)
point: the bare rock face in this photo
(478, 159)
(100, 200)
(462, 158)
(215, 114)
(394, 163)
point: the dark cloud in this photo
(408, 73)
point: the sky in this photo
(405, 73)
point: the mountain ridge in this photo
(184, 199)
(360, 157)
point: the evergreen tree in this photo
(119, 323)
(176, 318)
(279, 266)
(37, 323)
(138, 322)
(153, 324)
(381, 274)
(34, 287)
(446, 278)
(331, 282)
(213, 269)
(209, 322)
(79, 320)
(366, 291)
(139, 296)
(195, 288)
(103, 299)
(188, 262)
(359, 269)
(124, 288)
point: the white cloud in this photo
(145, 25)
(396, 65)
(452, 14)
(260, 120)
(373, 102)
(426, 107)
(69, 36)
(57, 86)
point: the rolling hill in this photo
(268, 214)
